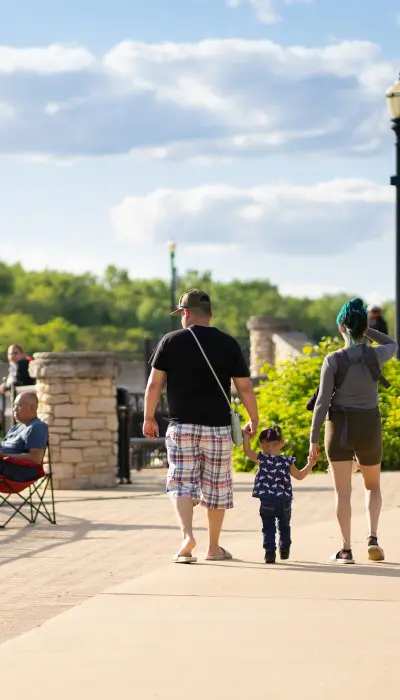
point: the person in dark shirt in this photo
(198, 439)
(18, 371)
(25, 442)
(376, 320)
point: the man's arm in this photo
(154, 388)
(245, 389)
(35, 455)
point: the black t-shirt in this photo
(192, 391)
(18, 373)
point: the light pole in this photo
(172, 251)
(393, 100)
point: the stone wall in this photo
(271, 341)
(289, 345)
(262, 347)
(132, 374)
(77, 399)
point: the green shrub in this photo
(282, 399)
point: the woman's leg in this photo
(341, 475)
(373, 496)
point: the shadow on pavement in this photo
(385, 569)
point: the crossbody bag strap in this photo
(211, 367)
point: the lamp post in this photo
(393, 100)
(172, 251)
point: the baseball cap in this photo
(374, 308)
(193, 299)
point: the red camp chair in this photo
(34, 502)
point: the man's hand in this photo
(150, 429)
(314, 454)
(251, 428)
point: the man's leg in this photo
(18, 472)
(183, 506)
(215, 520)
(183, 480)
(216, 482)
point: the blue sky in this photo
(253, 132)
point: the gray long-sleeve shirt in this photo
(358, 389)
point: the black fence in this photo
(135, 451)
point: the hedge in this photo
(282, 398)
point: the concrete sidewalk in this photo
(303, 629)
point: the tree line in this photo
(55, 311)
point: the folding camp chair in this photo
(34, 502)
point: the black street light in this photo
(172, 251)
(393, 100)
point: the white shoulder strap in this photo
(211, 367)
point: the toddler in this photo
(273, 487)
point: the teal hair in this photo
(353, 316)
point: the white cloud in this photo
(214, 98)
(265, 9)
(45, 60)
(283, 218)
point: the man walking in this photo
(198, 439)
(376, 320)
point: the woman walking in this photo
(348, 393)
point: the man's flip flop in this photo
(219, 557)
(184, 559)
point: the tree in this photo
(52, 310)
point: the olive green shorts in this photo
(354, 435)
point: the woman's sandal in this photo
(184, 559)
(225, 555)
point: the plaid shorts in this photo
(199, 459)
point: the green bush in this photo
(282, 399)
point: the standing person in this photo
(18, 369)
(353, 427)
(376, 320)
(18, 374)
(199, 444)
(273, 486)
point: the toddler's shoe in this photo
(270, 557)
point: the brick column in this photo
(262, 347)
(77, 399)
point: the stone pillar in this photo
(262, 347)
(77, 399)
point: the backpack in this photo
(343, 363)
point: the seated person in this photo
(25, 442)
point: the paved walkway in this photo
(303, 629)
